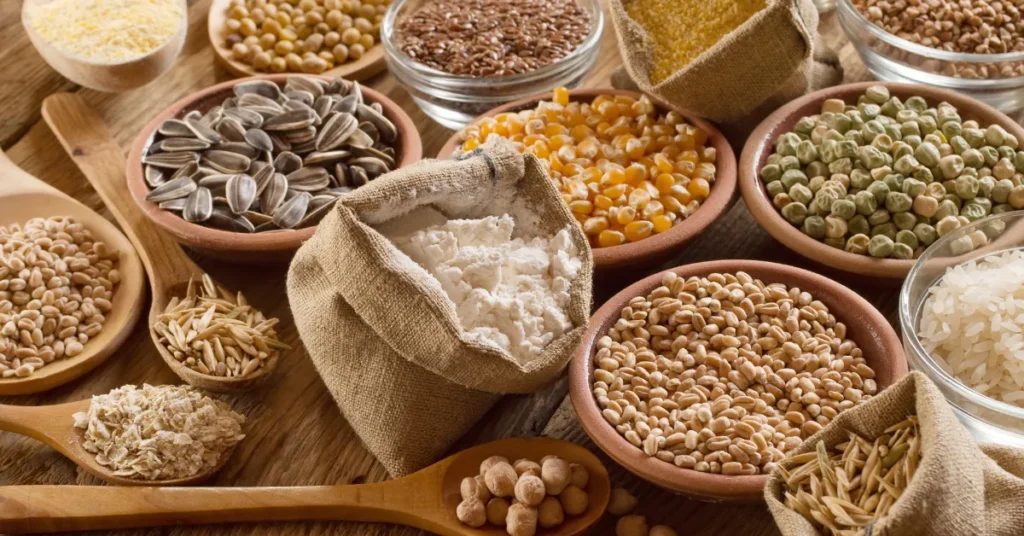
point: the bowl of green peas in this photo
(864, 177)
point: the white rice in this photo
(972, 323)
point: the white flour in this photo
(508, 293)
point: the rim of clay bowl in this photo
(866, 326)
(761, 143)
(218, 240)
(658, 245)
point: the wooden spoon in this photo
(53, 425)
(91, 146)
(111, 77)
(426, 499)
(23, 197)
(370, 64)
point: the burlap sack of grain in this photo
(959, 489)
(381, 332)
(769, 60)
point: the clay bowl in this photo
(762, 142)
(369, 65)
(865, 326)
(232, 246)
(658, 247)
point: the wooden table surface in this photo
(295, 433)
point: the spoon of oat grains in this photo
(210, 337)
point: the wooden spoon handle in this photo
(44, 509)
(13, 179)
(92, 147)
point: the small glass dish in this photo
(995, 79)
(455, 100)
(988, 419)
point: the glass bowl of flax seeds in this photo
(459, 59)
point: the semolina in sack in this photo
(959, 488)
(768, 60)
(380, 330)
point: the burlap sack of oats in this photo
(383, 335)
(768, 61)
(959, 489)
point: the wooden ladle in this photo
(426, 499)
(110, 77)
(99, 157)
(23, 197)
(53, 425)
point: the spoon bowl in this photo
(426, 499)
(23, 197)
(89, 143)
(53, 425)
(102, 76)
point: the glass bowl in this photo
(455, 100)
(995, 79)
(989, 420)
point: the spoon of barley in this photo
(426, 499)
(86, 139)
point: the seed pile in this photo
(492, 37)
(56, 287)
(844, 489)
(626, 170)
(886, 178)
(681, 30)
(725, 374)
(217, 333)
(524, 495)
(158, 433)
(973, 325)
(306, 36)
(270, 158)
(107, 31)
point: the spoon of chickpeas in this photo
(520, 474)
(331, 37)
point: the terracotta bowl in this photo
(865, 326)
(762, 142)
(228, 245)
(657, 247)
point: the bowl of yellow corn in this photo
(641, 179)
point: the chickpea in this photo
(662, 530)
(530, 490)
(471, 512)
(261, 61)
(247, 28)
(362, 24)
(491, 462)
(307, 5)
(333, 18)
(631, 526)
(550, 513)
(367, 10)
(294, 62)
(251, 41)
(521, 520)
(267, 41)
(284, 48)
(555, 474)
(314, 18)
(327, 57)
(579, 476)
(321, 28)
(524, 466)
(278, 65)
(471, 487)
(331, 39)
(356, 51)
(497, 511)
(366, 40)
(621, 502)
(350, 36)
(313, 43)
(501, 479)
(257, 15)
(340, 53)
(574, 500)
(240, 51)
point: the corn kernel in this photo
(638, 230)
(626, 215)
(581, 207)
(602, 201)
(609, 238)
(664, 182)
(595, 226)
(699, 188)
(613, 192)
(661, 223)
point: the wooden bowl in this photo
(370, 64)
(657, 247)
(762, 142)
(243, 247)
(109, 77)
(865, 325)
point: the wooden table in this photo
(296, 435)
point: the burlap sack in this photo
(769, 60)
(959, 489)
(380, 330)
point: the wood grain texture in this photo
(296, 435)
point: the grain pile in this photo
(158, 432)
(56, 289)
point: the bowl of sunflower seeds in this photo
(245, 170)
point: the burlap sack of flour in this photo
(769, 60)
(382, 333)
(959, 489)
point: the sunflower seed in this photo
(299, 95)
(173, 145)
(370, 131)
(308, 179)
(335, 131)
(273, 193)
(203, 131)
(198, 206)
(374, 166)
(213, 115)
(248, 118)
(320, 200)
(178, 188)
(174, 205)
(226, 161)
(231, 129)
(356, 90)
(262, 178)
(154, 177)
(289, 214)
(377, 107)
(337, 86)
(215, 182)
(314, 215)
(301, 136)
(290, 120)
(230, 222)
(238, 147)
(253, 101)
(346, 105)
(267, 227)
(265, 88)
(305, 147)
(323, 158)
(257, 218)
(259, 139)
(383, 156)
(341, 190)
(341, 174)
(287, 162)
(266, 112)
(302, 83)
(359, 139)
(188, 170)
(240, 192)
(175, 128)
(280, 143)
(171, 160)
(387, 129)
(359, 176)
(323, 105)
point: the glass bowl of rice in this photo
(962, 313)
